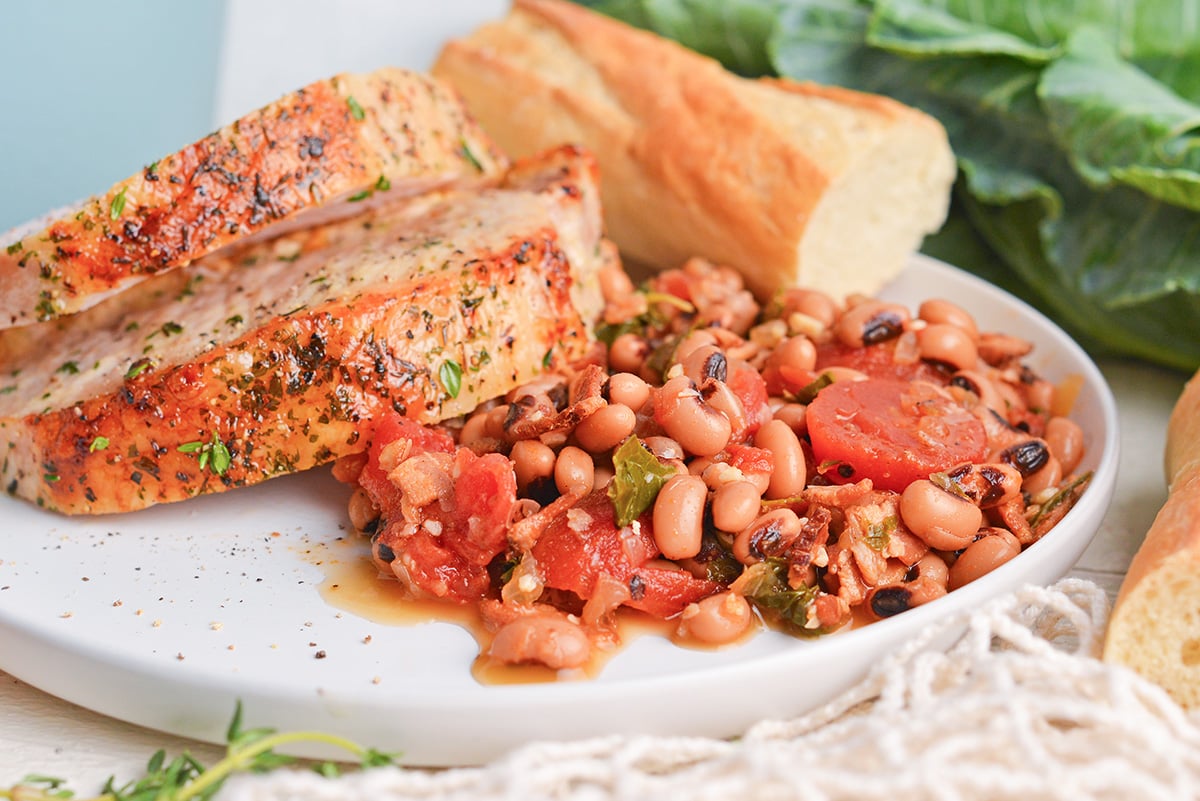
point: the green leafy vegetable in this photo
(639, 475)
(766, 585)
(1076, 126)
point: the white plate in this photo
(167, 617)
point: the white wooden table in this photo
(42, 734)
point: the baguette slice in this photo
(277, 356)
(387, 134)
(788, 182)
(1155, 625)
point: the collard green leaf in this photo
(920, 28)
(1030, 102)
(1116, 121)
(638, 476)
(732, 31)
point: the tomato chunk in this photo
(581, 545)
(893, 432)
(879, 361)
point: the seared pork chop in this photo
(277, 356)
(349, 138)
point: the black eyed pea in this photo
(531, 460)
(944, 521)
(871, 322)
(605, 428)
(550, 640)
(627, 353)
(811, 303)
(936, 311)
(735, 505)
(704, 363)
(364, 514)
(700, 429)
(679, 516)
(984, 555)
(1064, 437)
(947, 344)
(628, 389)
(769, 535)
(892, 599)
(716, 620)
(574, 471)
(790, 473)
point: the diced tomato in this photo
(892, 432)
(748, 385)
(485, 491)
(574, 551)
(436, 570)
(391, 428)
(878, 361)
(752, 461)
(665, 592)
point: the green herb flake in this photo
(358, 196)
(383, 184)
(171, 327)
(50, 478)
(69, 368)
(211, 454)
(138, 367)
(356, 111)
(236, 319)
(548, 359)
(465, 150)
(451, 375)
(98, 444)
(117, 206)
(14, 248)
(810, 390)
(639, 475)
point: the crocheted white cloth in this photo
(1018, 708)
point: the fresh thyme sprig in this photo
(185, 779)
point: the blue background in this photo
(92, 91)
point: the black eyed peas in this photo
(1064, 438)
(550, 640)
(627, 353)
(679, 516)
(606, 428)
(716, 620)
(768, 535)
(735, 505)
(942, 312)
(993, 548)
(687, 419)
(790, 474)
(941, 519)
(574, 471)
(532, 460)
(870, 323)
(731, 485)
(947, 344)
(629, 390)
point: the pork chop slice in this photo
(278, 356)
(317, 152)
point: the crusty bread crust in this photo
(790, 183)
(1155, 624)
(348, 138)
